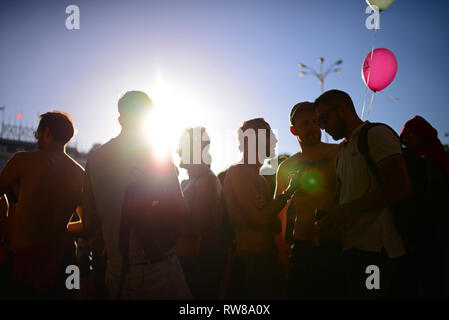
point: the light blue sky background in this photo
(229, 60)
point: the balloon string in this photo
(372, 54)
(393, 98)
(369, 73)
(371, 103)
(364, 102)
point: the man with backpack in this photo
(370, 182)
(139, 204)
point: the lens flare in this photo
(312, 180)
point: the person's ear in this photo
(47, 134)
(293, 131)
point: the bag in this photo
(409, 213)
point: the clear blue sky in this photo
(233, 60)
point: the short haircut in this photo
(254, 124)
(333, 96)
(188, 138)
(298, 108)
(134, 104)
(194, 134)
(60, 125)
(257, 123)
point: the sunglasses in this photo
(323, 117)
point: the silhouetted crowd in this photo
(364, 219)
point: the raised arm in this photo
(282, 182)
(385, 151)
(259, 212)
(88, 218)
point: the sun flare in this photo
(173, 111)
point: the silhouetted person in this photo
(255, 270)
(110, 171)
(49, 193)
(431, 257)
(315, 267)
(362, 213)
(200, 246)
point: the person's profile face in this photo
(306, 128)
(329, 119)
(39, 136)
(411, 141)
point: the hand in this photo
(294, 184)
(331, 225)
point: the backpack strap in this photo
(363, 146)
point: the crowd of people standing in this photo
(364, 219)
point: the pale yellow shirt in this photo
(372, 230)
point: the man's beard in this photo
(339, 131)
(312, 138)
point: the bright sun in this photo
(173, 112)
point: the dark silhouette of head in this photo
(335, 112)
(419, 136)
(194, 147)
(55, 128)
(134, 108)
(249, 134)
(303, 124)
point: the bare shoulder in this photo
(237, 173)
(209, 182)
(291, 163)
(332, 148)
(77, 168)
(24, 159)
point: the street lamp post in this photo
(321, 76)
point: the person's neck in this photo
(130, 134)
(254, 166)
(351, 125)
(312, 151)
(55, 148)
(197, 170)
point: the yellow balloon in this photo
(381, 4)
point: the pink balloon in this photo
(379, 70)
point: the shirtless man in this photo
(200, 248)
(255, 269)
(312, 264)
(50, 185)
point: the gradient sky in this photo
(221, 62)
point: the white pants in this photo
(152, 281)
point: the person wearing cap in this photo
(314, 267)
(110, 169)
(255, 272)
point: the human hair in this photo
(253, 124)
(187, 142)
(134, 104)
(60, 125)
(335, 96)
(300, 107)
